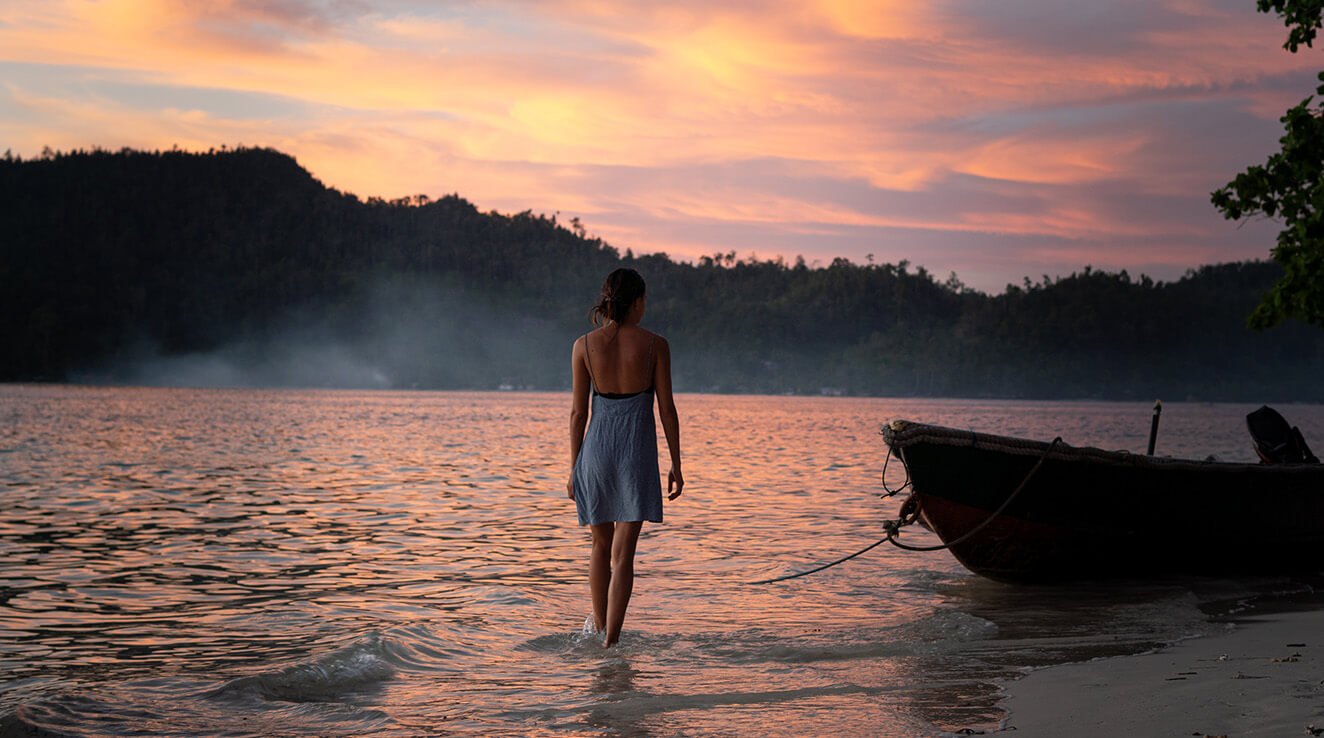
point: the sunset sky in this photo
(993, 138)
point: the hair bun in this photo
(619, 291)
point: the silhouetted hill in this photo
(236, 267)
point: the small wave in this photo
(955, 625)
(356, 667)
(133, 709)
(936, 631)
(811, 654)
(638, 705)
(579, 642)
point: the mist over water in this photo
(184, 562)
(398, 332)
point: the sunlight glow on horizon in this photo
(993, 140)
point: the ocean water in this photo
(237, 562)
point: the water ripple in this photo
(194, 562)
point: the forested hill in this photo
(236, 267)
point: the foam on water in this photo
(581, 642)
(179, 707)
(316, 696)
(356, 668)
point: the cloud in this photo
(1034, 129)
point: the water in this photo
(213, 562)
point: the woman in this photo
(613, 468)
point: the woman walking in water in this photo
(613, 468)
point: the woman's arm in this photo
(578, 407)
(666, 408)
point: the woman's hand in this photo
(675, 483)
(570, 486)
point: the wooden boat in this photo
(1090, 513)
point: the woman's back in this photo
(621, 359)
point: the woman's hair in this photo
(619, 291)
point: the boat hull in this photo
(1088, 513)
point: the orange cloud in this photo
(871, 103)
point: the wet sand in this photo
(1264, 676)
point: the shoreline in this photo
(1263, 676)
(86, 383)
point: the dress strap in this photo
(648, 366)
(593, 382)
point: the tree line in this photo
(108, 257)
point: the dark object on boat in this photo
(1088, 513)
(1153, 426)
(1276, 440)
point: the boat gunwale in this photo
(911, 433)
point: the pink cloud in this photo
(979, 137)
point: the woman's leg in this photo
(599, 572)
(622, 577)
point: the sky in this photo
(996, 139)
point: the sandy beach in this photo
(1263, 677)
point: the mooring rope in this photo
(888, 491)
(893, 527)
(871, 546)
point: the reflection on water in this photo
(340, 563)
